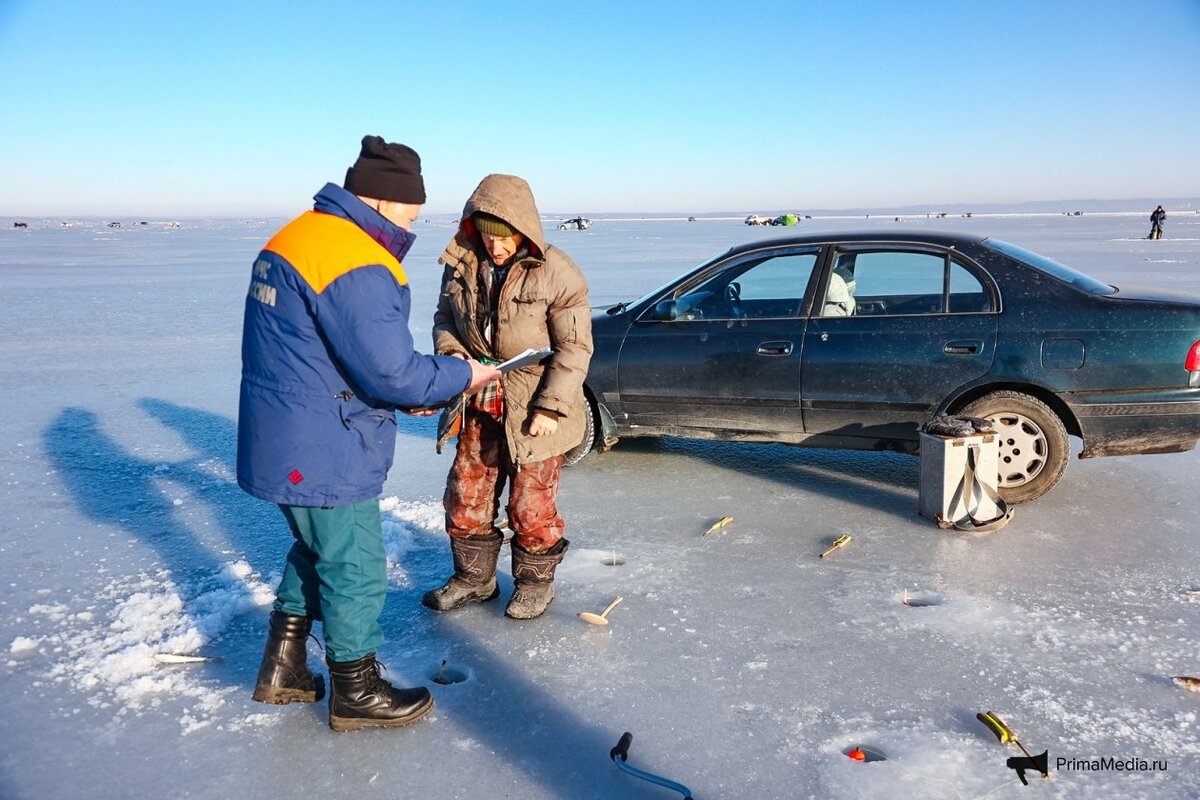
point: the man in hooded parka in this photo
(505, 290)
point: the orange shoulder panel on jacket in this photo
(323, 247)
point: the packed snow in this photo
(743, 664)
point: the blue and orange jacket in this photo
(327, 357)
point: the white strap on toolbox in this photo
(959, 475)
(970, 494)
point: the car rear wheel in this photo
(1033, 443)
(588, 442)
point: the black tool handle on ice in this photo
(622, 748)
(620, 754)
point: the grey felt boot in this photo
(474, 578)
(533, 574)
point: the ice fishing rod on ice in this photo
(620, 753)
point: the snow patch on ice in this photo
(409, 526)
(112, 658)
(110, 654)
(408, 517)
(23, 644)
(55, 612)
(253, 721)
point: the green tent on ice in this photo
(788, 219)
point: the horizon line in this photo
(1049, 207)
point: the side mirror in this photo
(666, 310)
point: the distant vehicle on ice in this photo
(575, 224)
(782, 219)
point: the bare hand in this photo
(481, 375)
(420, 412)
(544, 423)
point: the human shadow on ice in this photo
(523, 713)
(250, 526)
(169, 504)
(509, 694)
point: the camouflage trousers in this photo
(482, 466)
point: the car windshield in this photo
(1051, 267)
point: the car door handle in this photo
(775, 349)
(962, 348)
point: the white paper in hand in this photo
(530, 356)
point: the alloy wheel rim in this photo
(1023, 448)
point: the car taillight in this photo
(1192, 362)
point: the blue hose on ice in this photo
(621, 752)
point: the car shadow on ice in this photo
(882, 481)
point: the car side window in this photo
(967, 294)
(896, 282)
(766, 287)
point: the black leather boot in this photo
(533, 574)
(284, 676)
(359, 697)
(474, 578)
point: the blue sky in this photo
(220, 108)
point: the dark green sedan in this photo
(857, 340)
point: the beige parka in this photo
(543, 302)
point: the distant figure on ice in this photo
(327, 359)
(1157, 218)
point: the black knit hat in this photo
(386, 171)
(493, 226)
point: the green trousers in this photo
(336, 572)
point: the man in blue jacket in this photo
(327, 359)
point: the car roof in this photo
(944, 239)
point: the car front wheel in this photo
(1033, 443)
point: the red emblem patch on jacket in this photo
(295, 477)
